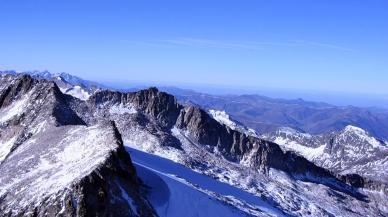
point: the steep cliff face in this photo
(160, 106)
(237, 146)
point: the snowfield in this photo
(308, 152)
(175, 189)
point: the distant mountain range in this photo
(69, 153)
(266, 115)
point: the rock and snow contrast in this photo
(77, 92)
(223, 118)
(52, 164)
(69, 158)
(349, 151)
(68, 84)
(70, 170)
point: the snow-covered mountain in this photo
(52, 164)
(67, 83)
(349, 151)
(186, 161)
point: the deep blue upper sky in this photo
(326, 45)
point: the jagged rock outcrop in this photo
(52, 164)
(161, 106)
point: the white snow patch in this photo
(292, 132)
(122, 109)
(142, 140)
(308, 152)
(15, 109)
(5, 148)
(77, 92)
(223, 118)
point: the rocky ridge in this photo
(53, 164)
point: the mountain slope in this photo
(52, 164)
(349, 151)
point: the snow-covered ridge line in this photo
(349, 151)
(223, 118)
(68, 84)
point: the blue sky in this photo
(328, 45)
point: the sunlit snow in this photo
(175, 189)
(122, 109)
(15, 109)
(77, 92)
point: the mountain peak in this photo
(351, 128)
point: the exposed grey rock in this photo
(347, 153)
(52, 164)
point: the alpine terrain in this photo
(69, 147)
(65, 154)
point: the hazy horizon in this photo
(331, 97)
(324, 46)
